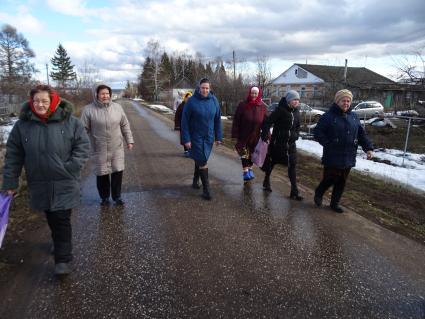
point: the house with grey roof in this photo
(317, 85)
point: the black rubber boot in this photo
(266, 183)
(203, 173)
(336, 208)
(336, 195)
(195, 183)
(294, 195)
(318, 200)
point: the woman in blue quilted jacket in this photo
(339, 132)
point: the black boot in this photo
(318, 200)
(294, 195)
(203, 173)
(266, 183)
(195, 183)
(292, 174)
(336, 208)
(337, 194)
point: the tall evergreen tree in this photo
(166, 74)
(190, 71)
(179, 67)
(147, 83)
(63, 70)
(208, 70)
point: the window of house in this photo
(300, 73)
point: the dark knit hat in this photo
(292, 95)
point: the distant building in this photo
(117, 94)
(10, 103)
(317, 85)
(173, 96)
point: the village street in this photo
(245, 254)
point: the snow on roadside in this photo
(165, 109)
(6, 129)
(160, 108)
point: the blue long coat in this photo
(340, 134)
(201, 125)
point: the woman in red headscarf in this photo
(249, 117)
(52, 145)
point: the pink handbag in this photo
(260, 153)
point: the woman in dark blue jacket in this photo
(339, 132)
(201, 127)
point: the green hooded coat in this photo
(52, 153)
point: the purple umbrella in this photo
(4, 214)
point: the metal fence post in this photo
(309, 124)
(407, 140)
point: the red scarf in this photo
(258, 101)
(54, 103)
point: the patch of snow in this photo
(160, 108)
(6, 129)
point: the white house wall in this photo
(290, 77)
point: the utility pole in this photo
(47, 73)
(234, 67)
(234, 79)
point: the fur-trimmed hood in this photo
(63, 111)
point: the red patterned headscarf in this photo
(54, 101)
(258, 101)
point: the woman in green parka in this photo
(52, 145)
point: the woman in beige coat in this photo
(107, 127)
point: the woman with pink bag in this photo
(249, 117)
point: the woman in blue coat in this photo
(201, 127)
(339, 132)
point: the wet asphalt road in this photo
(245, 254)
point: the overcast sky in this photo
(113, 34)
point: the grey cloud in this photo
(367, 27)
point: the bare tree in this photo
(154, 52)
(411, 67)
(16, 69)
(263, 71)
(87, 75)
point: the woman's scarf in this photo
(250, 102)
(54, 103)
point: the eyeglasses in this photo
(41, 102)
